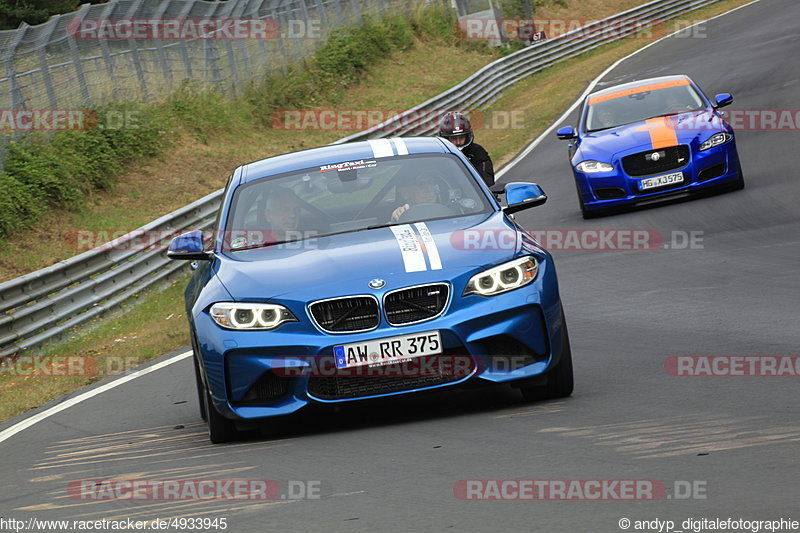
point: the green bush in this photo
(206, 111)
(18, 204)
(42, 171)
(435, 22)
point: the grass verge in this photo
(157, 326)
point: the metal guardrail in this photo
(45, 304)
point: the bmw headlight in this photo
(716, 140)
(503, 278)
(593, 166)
(233, 315)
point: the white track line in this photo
(528, 149)
(38, 417)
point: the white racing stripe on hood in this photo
(430, 245)
(381, 147)
(400, 145)
(413, 257)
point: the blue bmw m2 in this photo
(366, 270)
(648, 141)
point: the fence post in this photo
(76, 58)
(16, 100)
(342, 12)
(244, 44)
(183, 47)
(115, 89)
(209, 53)
(227, 11)
(41, 52)
(162, 56)
(281, 44)
(137, 59)
(322, 9)
(255, 12)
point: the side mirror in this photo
(189, 246)
(566, 133)
(723, 99)
(521, 196)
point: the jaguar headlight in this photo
(244, 316)
(593, 166)
(716, 140)
(503, 278)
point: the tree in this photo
(13, 12)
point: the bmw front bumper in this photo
(512, 336)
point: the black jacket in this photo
(480, 159)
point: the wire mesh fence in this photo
(140, 50)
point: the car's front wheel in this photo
(738, 185)
(559, 379)
(220, 429)
(201, 389)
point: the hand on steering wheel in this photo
(399, 211)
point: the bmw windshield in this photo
(350, 196)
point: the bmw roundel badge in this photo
(377, 283)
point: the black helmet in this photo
(455, 127)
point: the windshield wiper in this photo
(603, 129)
(672, 114)
(378, 226)
(262, 245)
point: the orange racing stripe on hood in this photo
(662, 132)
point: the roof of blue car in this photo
(638, 83)
(338, 153)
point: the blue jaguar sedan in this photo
(648, 141)
(366, 270)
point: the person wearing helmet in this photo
(456, 128)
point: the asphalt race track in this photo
(393, 465)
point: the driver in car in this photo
(282, 214)
(420, 189)
(606, 118)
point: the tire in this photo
(220, 429)
(559, 379)
(584, 213)
(201, 390)
(738, 185)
